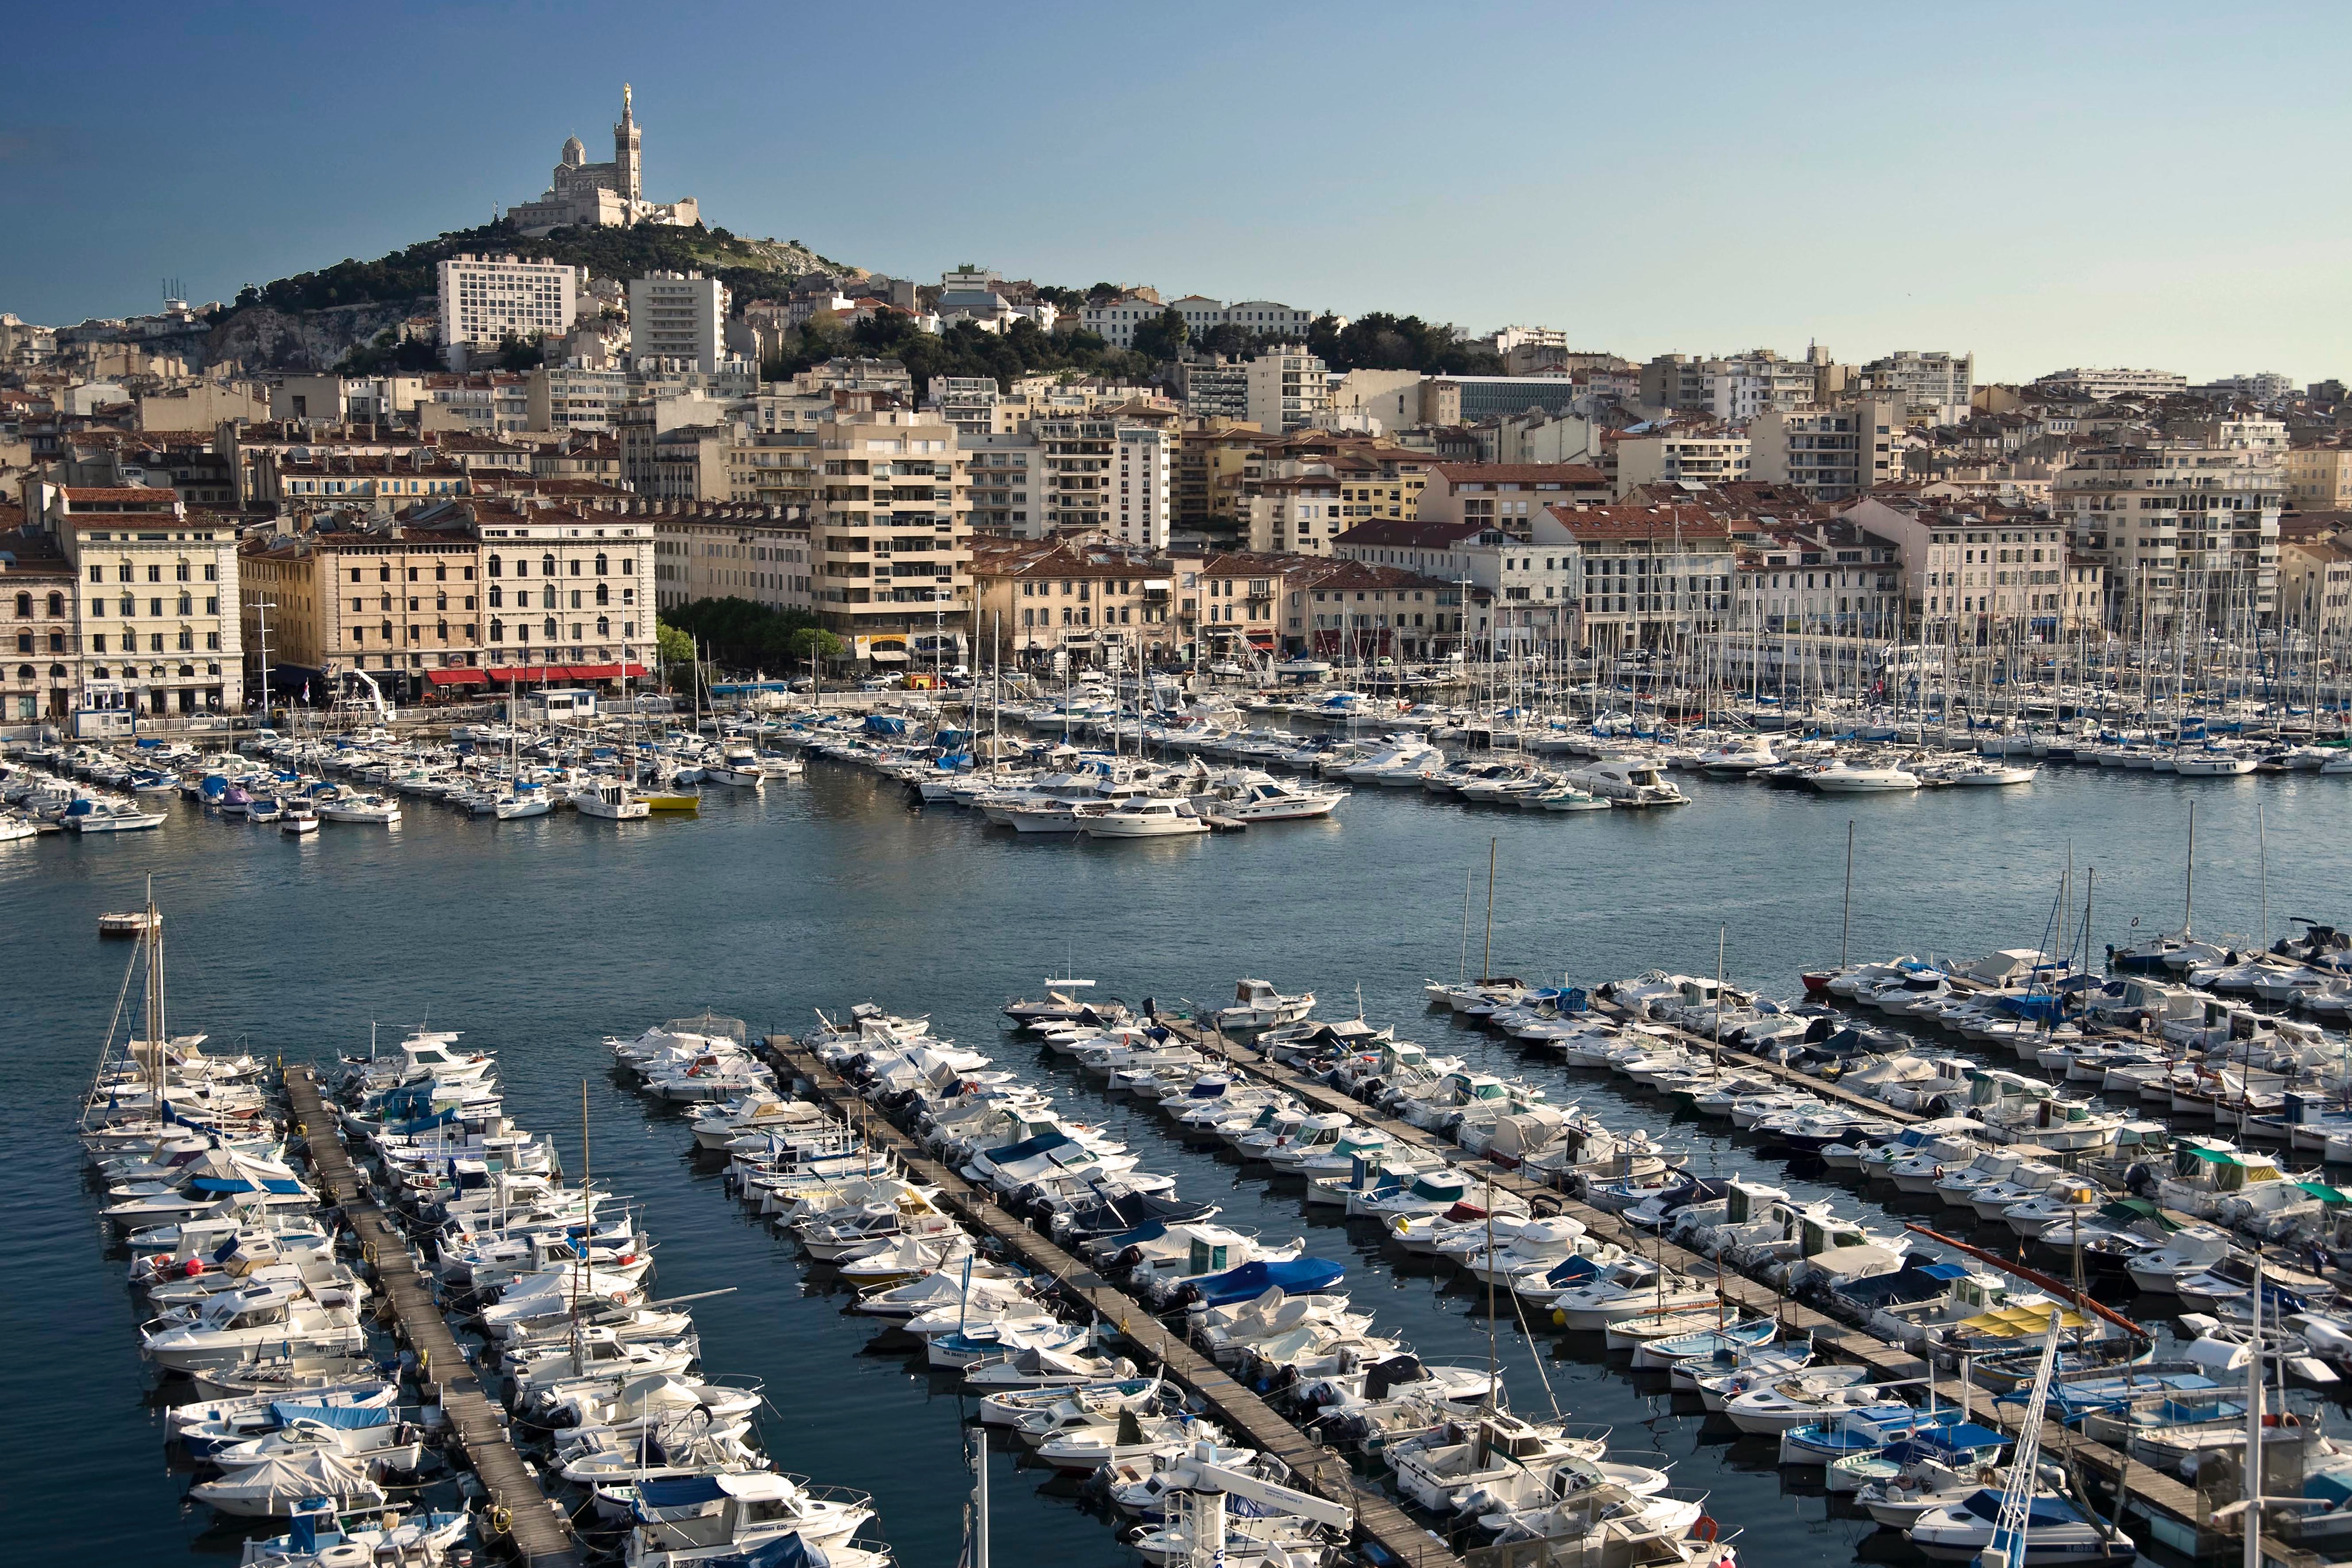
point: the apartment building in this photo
(678, 317)
(486, 403)
(1938, 385)
(1290, 388)
(2319, 477)
(1360, 612)
(487, 299)
(1647, 576)
(1214, 389)
(370, 483)
(1007, 478)
(403, 607)
(567, 593)
(1214, 460)
(1036, 598)
(1701, 454)
(2314, 586)
(1981, 572)
(1231, 606)
(2185, 526)
(891, 536)
(1527, 570)
(155, 605)
(1506, 494)
(574, 396)
(1302, 513)
(1820, 579)
(2102, 385)
(732, 552)
(1829, 454)
(1143, 468)
(38, 629)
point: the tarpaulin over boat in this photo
(2013, 1322)
(1299, 1276)
(342, 1417)
(242, 1184)
(785, 1551)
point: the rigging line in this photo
(1520, 1308)
(106, 1048)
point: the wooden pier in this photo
(540, 1532)
(1251, 1421)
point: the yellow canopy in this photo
(2016, 1321)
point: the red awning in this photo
(1261, 639)
(562, 674)
(458, 677)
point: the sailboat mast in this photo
(1845, 930)
(1487, 970)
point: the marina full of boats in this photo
(287, 1395)
(1441, 1438)
(1151, 760)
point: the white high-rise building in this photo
(679, 317)
(485, 299)
(1288, 387)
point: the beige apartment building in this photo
(405, 608)
(155, 597)
(567, 594)
(2319, 478)
(2184, 526)
(734, 551)
(37, 629)
(2314, 586)
(1701, 454)
(891, 537)
(1032, 598)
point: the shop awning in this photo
(887, 655)
(562, 674)
(458, 677)
(1261, 639)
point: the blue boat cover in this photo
(682, 1491)
(1028, 1148)
(1299, 1275)
(284, 1185)
(784, 1551)
(342, 1417)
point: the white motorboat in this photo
(1634, 781)
(86, 816)
(612, 801)
(274, 1488)
(1843, 777)
(371, 809)
(1143, 816)
(1276, 800)
(1258, 1005)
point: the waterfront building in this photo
(155, 597)
(732, 552)
(1361, 612)
(1820, 579)
(405, 607)
(37, 627)
(1644, 576)
(567, 593)
(1977, 572)
(1034, 598)
(891, 537)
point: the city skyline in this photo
(1699, 181)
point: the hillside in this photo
(312, 319)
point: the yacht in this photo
(1143, 816)
(1276, 800)
(1634, 781)
(739, 765)
(371, 809)
(611, 800)
(1843, 777)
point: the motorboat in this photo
(610, 800)
(1143, 816)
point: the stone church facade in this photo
(602, 196)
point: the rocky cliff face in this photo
(264, 339)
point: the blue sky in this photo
(2050, 184)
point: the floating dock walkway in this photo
(1378, 1520)
(540, 1534)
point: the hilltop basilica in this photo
(602, 195)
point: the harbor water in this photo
(538, 938)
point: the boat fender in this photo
(196, 1265)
